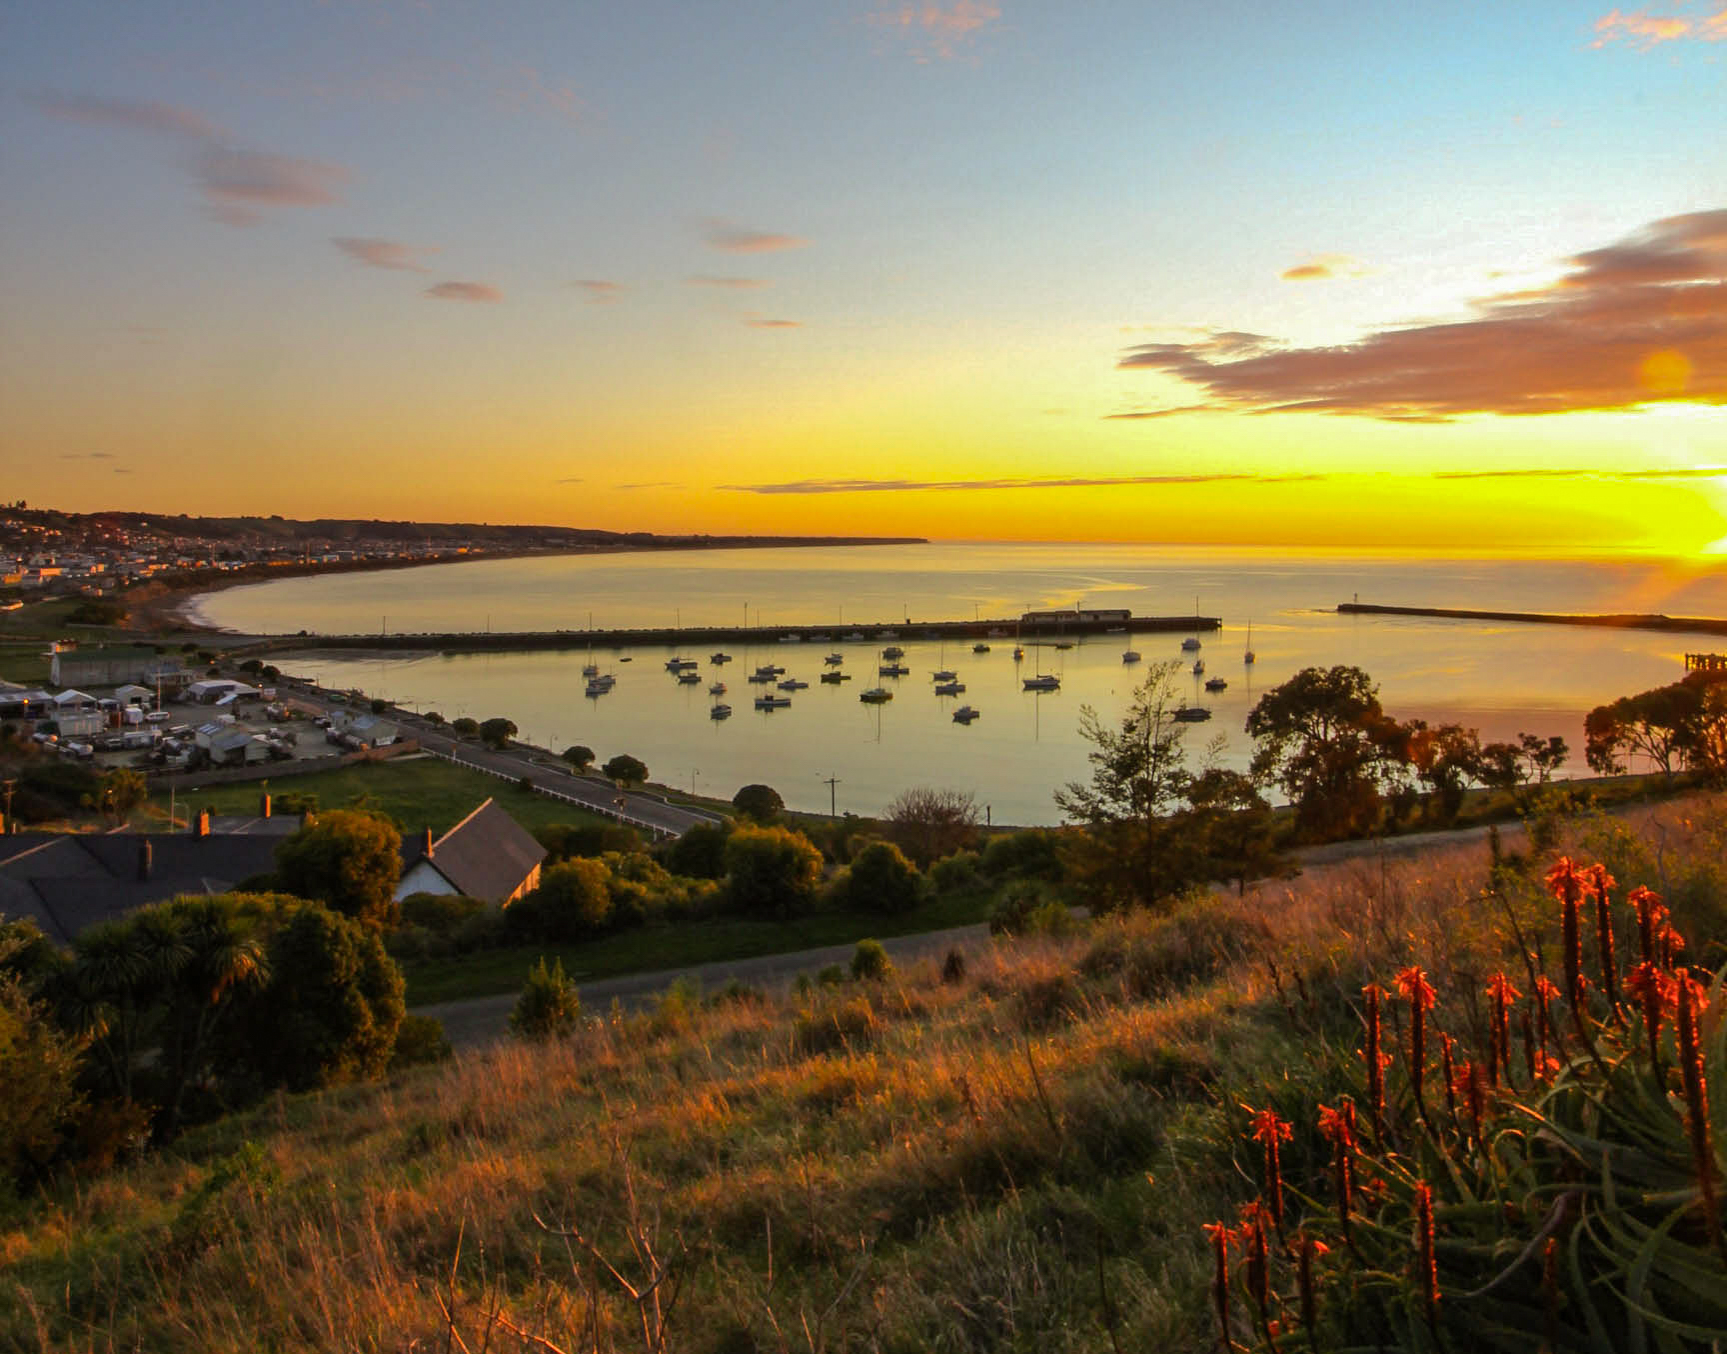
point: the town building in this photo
(487, 855)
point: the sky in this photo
(1350, 275)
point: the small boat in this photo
(689, 678)
(769, 670)
(772, 702)
(1191, 714)
(945, 675)
(626, 659)
(894, 670)
(590, 669)
(793, 684)
(949, 688)
(1018, 653)
(1047, 681)
(1130, 656)
(717, 689)
(980, 647)
(717, 658)
(965, 714)
(679, 664)
(720, 711)
(876, 695)
(1199, 667)
(1216, 683)
(597, 688)
(893, 651)
(1248, 656)
(835, 678)
(1064, 644)
(834, 659)
(1190, 644)
(760, 678)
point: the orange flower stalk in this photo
(1222, 1237)
(1655, 990)
(1499, 1045)
(1267, 1128)
(1424, 1246)
(1565, 882)
(1599, 883)
(1528, 1046)
(1650, 914)
(1339, 1127)
(1375, 1062)
(1413, 984)
(1310, 1250)
(1691, 1001)
(1545, 991)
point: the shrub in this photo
(578, 756)
(956, 873)
(929, 824)
(464, 727)
(830, 975)
(564, 840)
(549, 1004)
(497, 732)
(701, 852)
(870, 962)
(759, 803)
(1154, 955)
(772, 872)
(39, 1066)
(1034, 853)
(1015, 903)
(953, 967)
(845, 1024)
(419, 1040)
(880, 879)
(574, 899)
(625, 770)
(348, 859)
(442, 914)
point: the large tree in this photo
(772, 871)
(928, 824)
(1446, 758)
(1324, 738)
(347, 859)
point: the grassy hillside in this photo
(1017, 1157)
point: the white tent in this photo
(73, 697)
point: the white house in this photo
(487, 855)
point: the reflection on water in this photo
(1502, 679)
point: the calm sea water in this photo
(1502, 679)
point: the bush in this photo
(882, 880)
(625, 770)
(442, 914)
(574, 899)
(772, 872)
(759, 803)
(349, 859)
(549, 1004)
(39, 1067)
(957, 873)
(701, 852)
(870, 962)
(932, 823)
(419, 1040)
(578, 756)
(564, 840)
(464, 727)
(845, 1024)
(953, 967)
(497, 732)
(1014, 905)
(1032, 854)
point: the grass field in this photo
(417, 793)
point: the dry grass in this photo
(1020, 1158)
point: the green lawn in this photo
(676, 945)
(418, 793)
(27, 664)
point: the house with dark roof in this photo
(487, 855)
(67, 882)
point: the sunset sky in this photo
(1344, 273)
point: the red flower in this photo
(1269, 1129)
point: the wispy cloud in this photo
(1643, 28)
(935, 30)
(144, 115)
(523, 89)
(1637, 322)
(758, 322)
(1323, 266)
(378, 253)
(464, 291)
(86, 456)
(728, 283)
(571, 479)
(736, 239)
(651, 484)
(1695, 472)
(600, 292)
(1070, 482)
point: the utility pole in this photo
(833, 801)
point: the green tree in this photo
(549, 1004)
(574, 899)
(1668, 726)
(39, 1067)
(122, 790)
(928, 824)
(759, 803)
(347, 859)
(578, 756)
(331, 1008)
(700, 853)
(464, 727)
(772, 872)
(1446, 758)
(881, 879)
(1543, 756)
(497, 732)
(625, 770)
(1324, 738)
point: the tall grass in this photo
(1017, 1153)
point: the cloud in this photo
(1074, 482)
(86, 456)
(1324, 266)
(600, 292)
(144, 115)
(383, 253)
(729, 283)
(464, 291)
(119, 470)
(1691, 472)
(735, 239)
(237, 182)
(759, 323)
(572, 479)
(522, 89)
(1637, 322)
(1643, 30)
(651, 484)
(937, 31)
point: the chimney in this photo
(264, 805)
(146, 856)
(203, 825)
(428, 851)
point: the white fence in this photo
(604, 810)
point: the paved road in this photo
(479, 1020)
(640, 808)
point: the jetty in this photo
(1032, 628)
(1612, 621)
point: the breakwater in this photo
(1613, 621)
(1041, 630)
